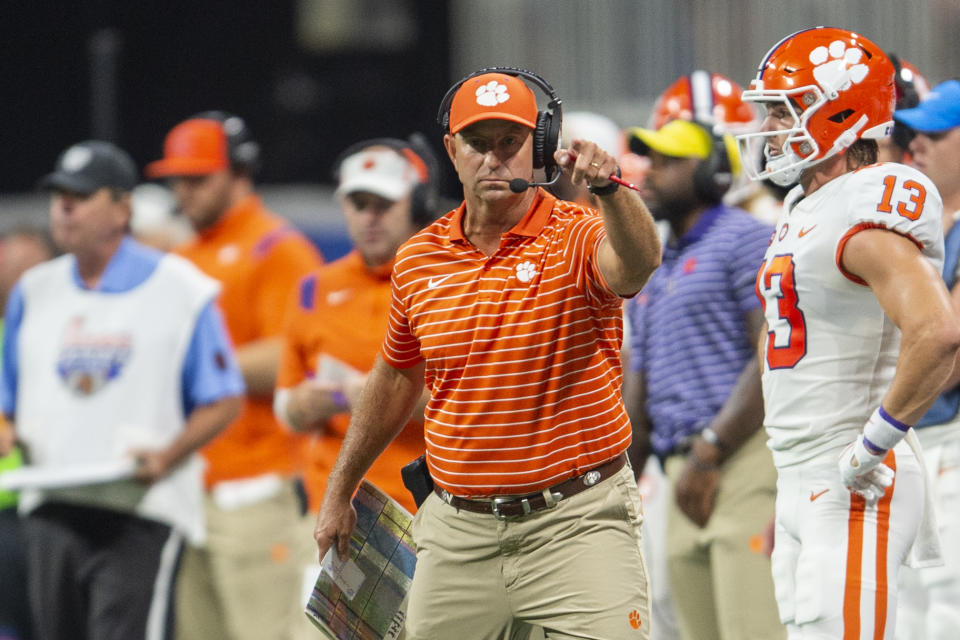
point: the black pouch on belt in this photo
(417, 480)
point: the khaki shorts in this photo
(576, 570)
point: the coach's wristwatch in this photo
(605, 190)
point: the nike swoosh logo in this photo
(335, 298)
(804, 232)
(433, 283)
(814, 496)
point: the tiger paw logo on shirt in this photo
(88, 361)
(525, 271)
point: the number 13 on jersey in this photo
(777, 274)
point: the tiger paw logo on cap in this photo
(492, 94)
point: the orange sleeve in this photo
(289, 260)
(400, 349)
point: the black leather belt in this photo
(506, 506)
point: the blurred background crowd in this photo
(310, 78)
(313, 76)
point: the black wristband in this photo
(607, 190)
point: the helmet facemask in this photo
(798, 150)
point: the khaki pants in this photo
(576, 570)
(721, 581)
(242, 583)
(301, 628)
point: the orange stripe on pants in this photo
(883, 537)
(854, 577)
(851, 590)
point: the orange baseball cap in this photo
(194, 147)
(493, 96)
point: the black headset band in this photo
(242, 150)
(396, 144)
(714, 174)
(545, 87)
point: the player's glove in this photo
(863, 472)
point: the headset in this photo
(546, 136)
(714, 174)
(907, 98)
(242, 150)
(425, 197)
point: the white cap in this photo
(383, 172)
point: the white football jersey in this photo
(830, 350)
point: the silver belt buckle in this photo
(496, 502)
(495, 507)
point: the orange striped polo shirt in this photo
(521, 350)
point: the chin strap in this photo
(847, 138)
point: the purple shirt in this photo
(689, 323)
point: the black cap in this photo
(90, 165)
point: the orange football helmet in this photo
(708, 98)
(838, 87)
(912, 86)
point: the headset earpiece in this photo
(242, 150)
(714, 174)
(546, 135)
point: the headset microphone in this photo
(519, 185)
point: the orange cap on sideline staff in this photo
(194, 147)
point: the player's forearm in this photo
(924, 367)
(632, 250)
(386, 404)
(258, 362)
